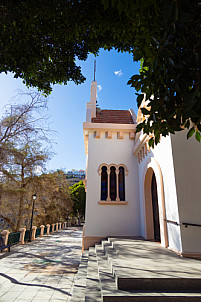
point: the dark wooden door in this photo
(154, 194)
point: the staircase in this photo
(121, 270)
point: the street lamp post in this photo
(30, 232)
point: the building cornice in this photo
(140, 141)
(141, 147)
(109, 126)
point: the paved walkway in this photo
(43, 270)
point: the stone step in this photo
(151, 297)
(143, 265)
(107, 281)
(155, 284)
(78, 294)
(110, 293)
(110, 252)
(116, 265)
(93, 290)
(104, 243)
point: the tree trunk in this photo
(21, 204)
(7, 220)
(19, 217)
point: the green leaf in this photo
(198, 136)
(190, 132)
(165, 132)
(145, 111)
(151, 142)
(157, 138)
(139, 99)
(140, 127)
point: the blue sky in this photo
(67, 103)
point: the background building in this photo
(76, 173)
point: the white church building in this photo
(133, 190)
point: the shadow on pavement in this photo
(14, 281)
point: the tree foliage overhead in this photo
(168, 41)
(41, 40)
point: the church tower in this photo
(111, 173)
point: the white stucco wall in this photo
(187, 163)
(113, 220)
(162, 154)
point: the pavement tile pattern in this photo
(42, 270)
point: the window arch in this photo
(121, 183)
(112, 182)
(104, 184)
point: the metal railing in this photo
(45, 230)
(186, 224)
(38, 232)
(26, 237)
(1, 240)
(172, 221)
(13, 238)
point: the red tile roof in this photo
(113, 116)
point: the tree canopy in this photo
(23, 158)
(53, 197)
(78, 195)
(40, 41)
(17, 182)
(21, 151)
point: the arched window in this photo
(121, 184)
(113, 183)
(104, 183)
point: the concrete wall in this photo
(187, 163)
(161, 156)
(113, 220)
